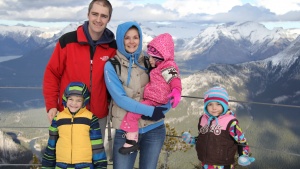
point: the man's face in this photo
(98, 19)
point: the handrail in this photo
(238, 101)
(179, 137)
(194, 97)
(21, 127)
(251, 146)
(29, 165)
(20, 87)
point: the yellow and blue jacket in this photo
(75, 140)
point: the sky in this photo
(59, 13)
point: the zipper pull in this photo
(72, 118)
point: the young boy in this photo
(220, 136)
(75, 139)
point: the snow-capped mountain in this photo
(234, 43)
(21, 32)
(20, 39)
(239, 38)
(282, 69)
(149, 31)
(273, 80)
(268, 94)
(269, 74)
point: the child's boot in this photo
(130, 145)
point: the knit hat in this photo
(76, 88)
(216, 94)
(153, 52)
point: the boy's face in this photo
(74, 103)
(214, 108)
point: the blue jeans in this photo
(74, 166)
(150, 143)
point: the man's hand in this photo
(51, 114)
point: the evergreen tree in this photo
(35, 162)
(172, 143)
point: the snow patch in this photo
(7, 58)
(280, 99)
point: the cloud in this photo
(40, 10)
(157, 12)
(149, 12)
(211, 7)
(246, 12)
(282, 7)
(47, 14)
(24, 5)
(290, 16)
(202, 11)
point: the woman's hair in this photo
(134, 27)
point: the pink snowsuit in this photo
(163, 78)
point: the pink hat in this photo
(161, 47)
(153, 52)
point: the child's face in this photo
(153, 61)
(74, 103)
(214, 108)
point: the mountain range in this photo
(223, 44)
(253, 63)
(271, 127)
(233, 43)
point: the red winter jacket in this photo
(71, 61)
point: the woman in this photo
(164, 80)
(126, 90)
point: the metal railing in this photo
(176, 136)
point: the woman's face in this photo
(131, 40)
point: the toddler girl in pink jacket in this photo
(164, 84)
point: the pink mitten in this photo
(175, 97)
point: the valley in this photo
(252, 66)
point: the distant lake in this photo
(6, 58)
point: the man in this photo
(80, 56)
